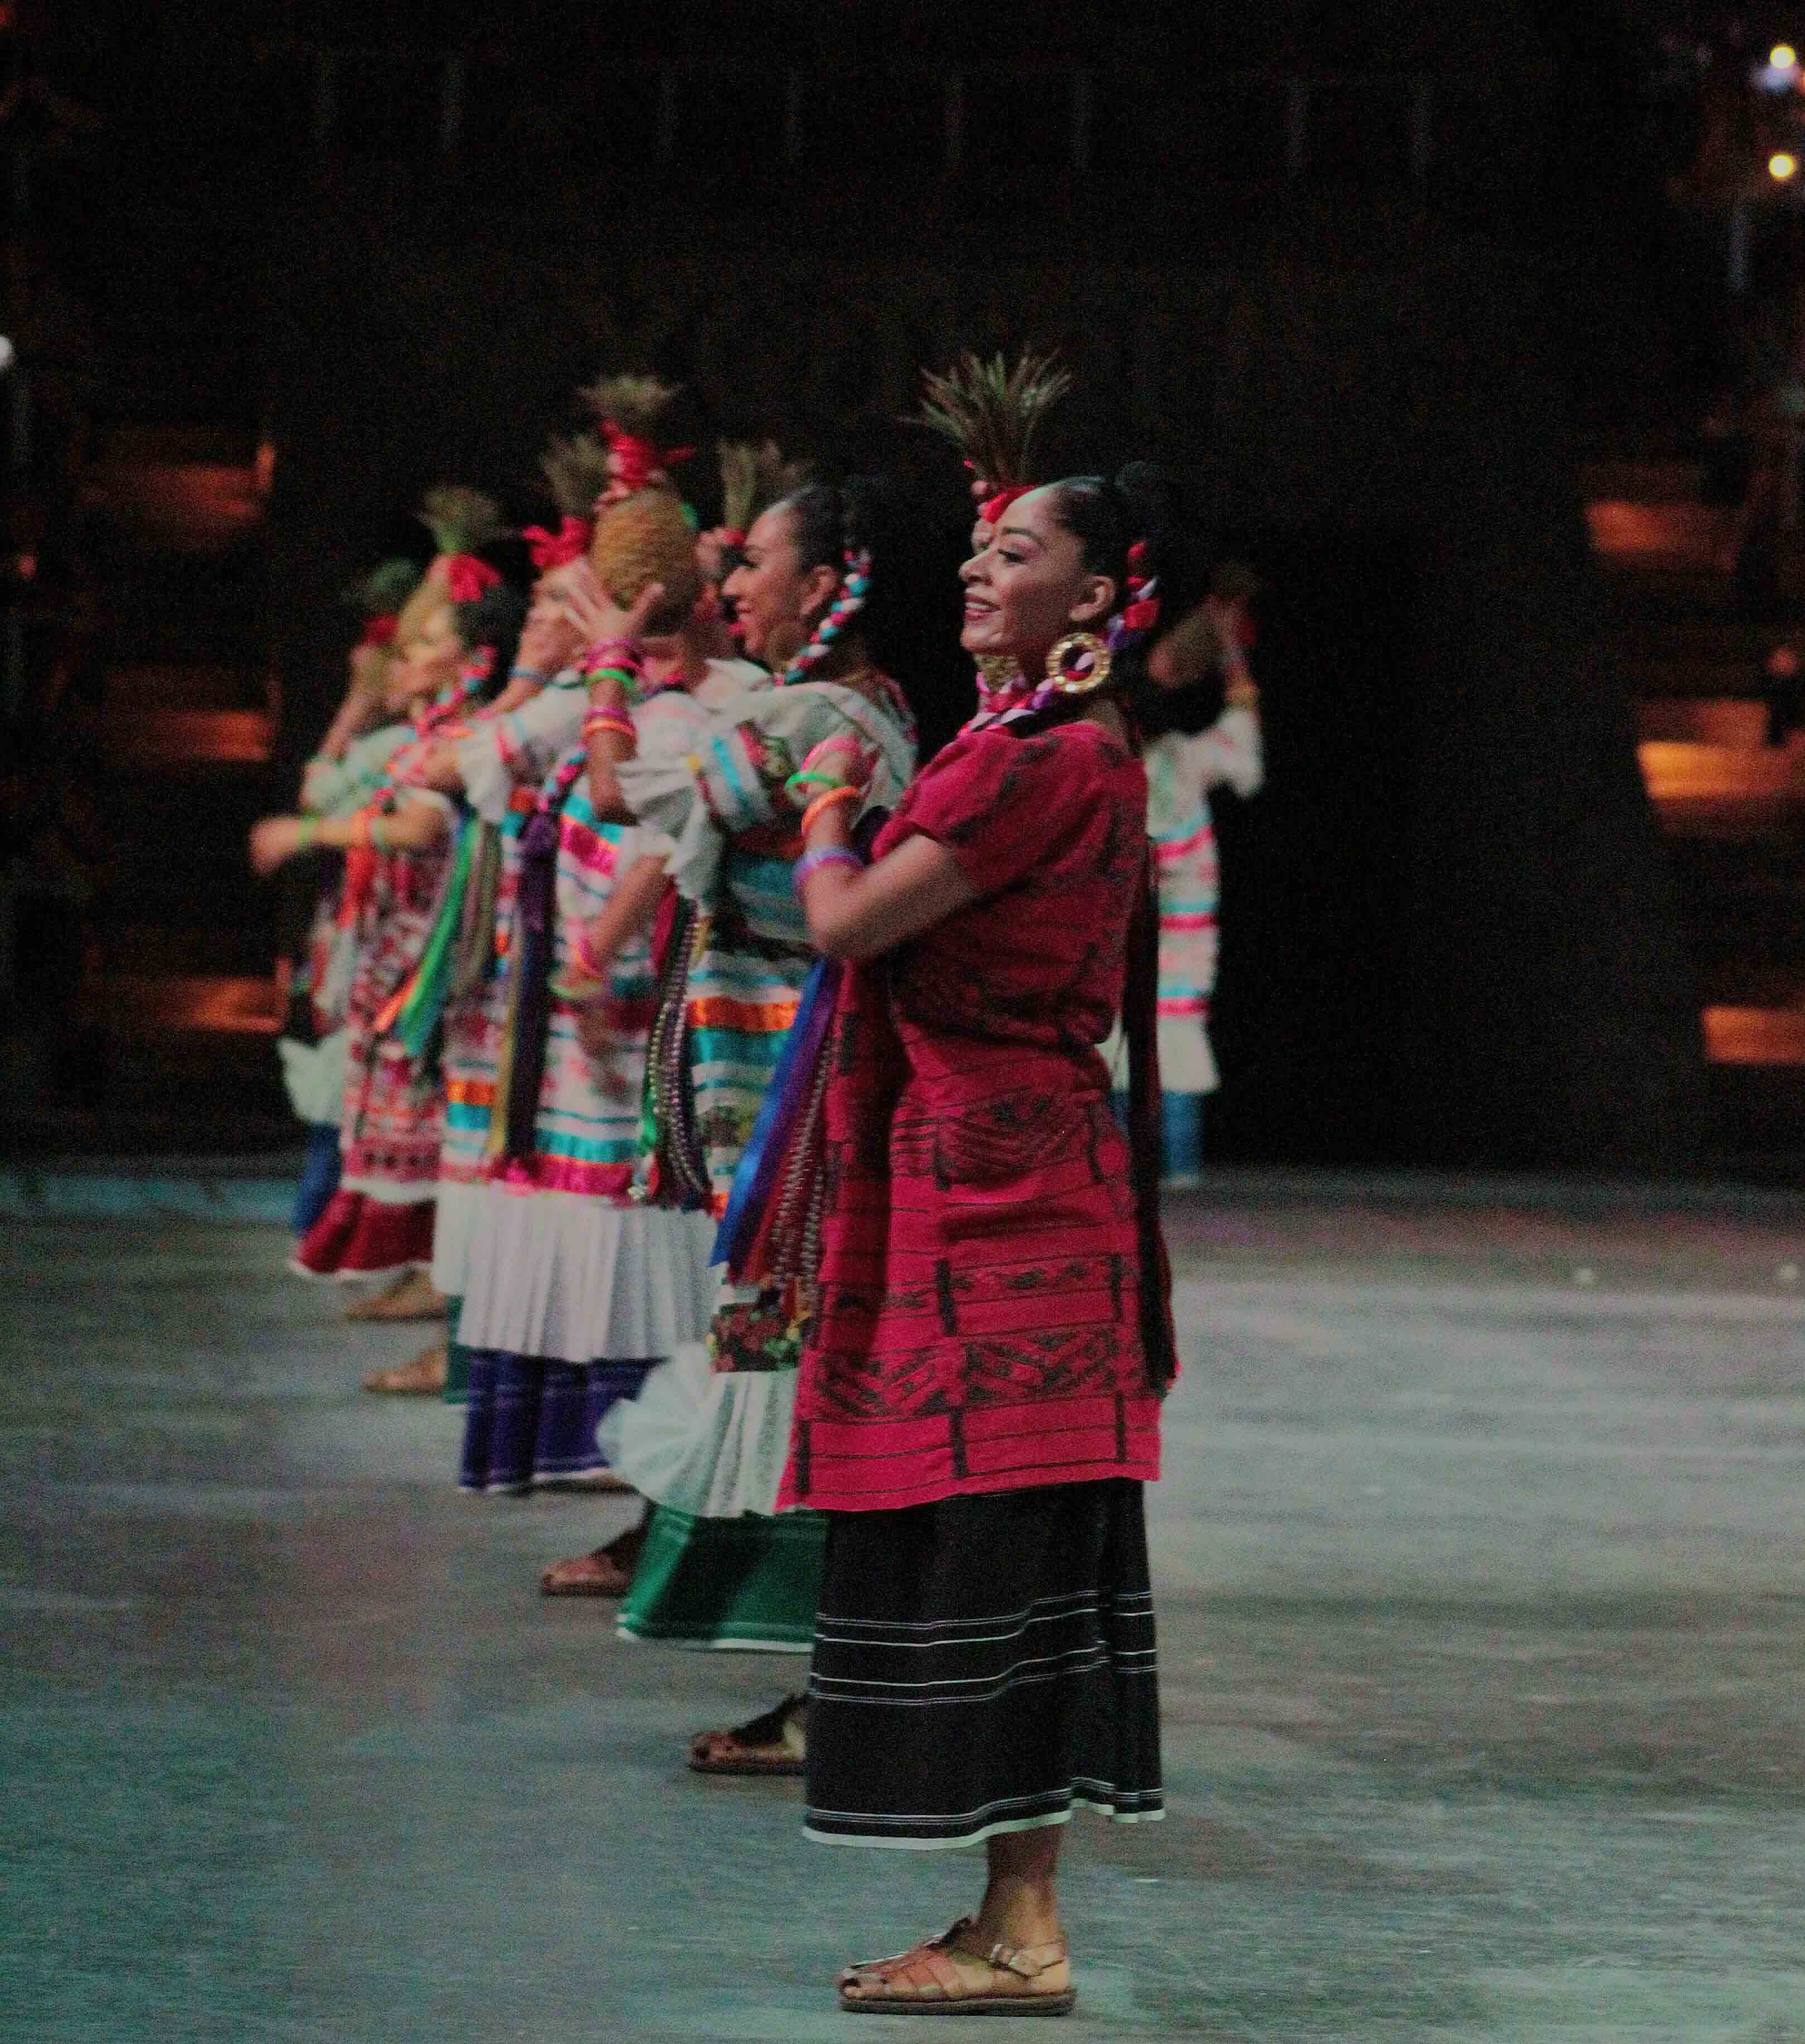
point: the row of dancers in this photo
(740, 1087)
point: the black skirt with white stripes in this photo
(982, 1664)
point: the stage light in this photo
(1782, 165)
(1782, 56)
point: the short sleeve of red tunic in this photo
(1050, 831)
(1001, 804)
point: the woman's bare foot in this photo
(420, 1374)
(774, 1742)
(604, 1572)
(411, 1297)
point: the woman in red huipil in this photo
(979, 1400)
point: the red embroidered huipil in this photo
(976, 1323)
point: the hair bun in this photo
(1155, 503)
(868, 513)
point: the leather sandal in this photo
(595, 1574)
(776, 1742)
(943, 1977)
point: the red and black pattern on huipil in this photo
(976, 1314)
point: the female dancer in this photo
(339, 779)
(493, 769)
(451, 633)
(573, 1288)
(979, 1399)
(1183, 766)
(705, 1440)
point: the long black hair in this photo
(906, 631)
(496, 618)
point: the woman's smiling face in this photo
(1029, 586)
(429, 661)
(774, 596)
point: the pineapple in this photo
(643, 538)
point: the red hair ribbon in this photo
(466, 577)
(552, 550)
(730, 536)
(380, 631)
(1144, 615)
(991, 510)
(638, 460)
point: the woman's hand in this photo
(842, 761)
(595, 616)
(549, 640)
(273, 842)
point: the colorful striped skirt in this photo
(984, 1664)
(532, 1419)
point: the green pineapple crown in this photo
(387, 586)
(754, 476)
(460, 519)
(575, 468)
(990, 411)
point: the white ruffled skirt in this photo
(574, 1279)
(454, 1223)
(711, 1444)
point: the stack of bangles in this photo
(811, 863)
(616, 720)
(613, 660)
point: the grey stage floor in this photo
(1479, 1560)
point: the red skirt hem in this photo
(360, 1237)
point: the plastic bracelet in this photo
(811, 863)
(610, 653)
(811, 777)
(309, 830)
(602, 719)
(602, 678)
(519, 673)
(582, 958)
(379, 834)
(819, 807)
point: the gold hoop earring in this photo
(1079, 664)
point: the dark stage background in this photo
(1450, 935)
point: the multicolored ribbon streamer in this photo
(781, 1113)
